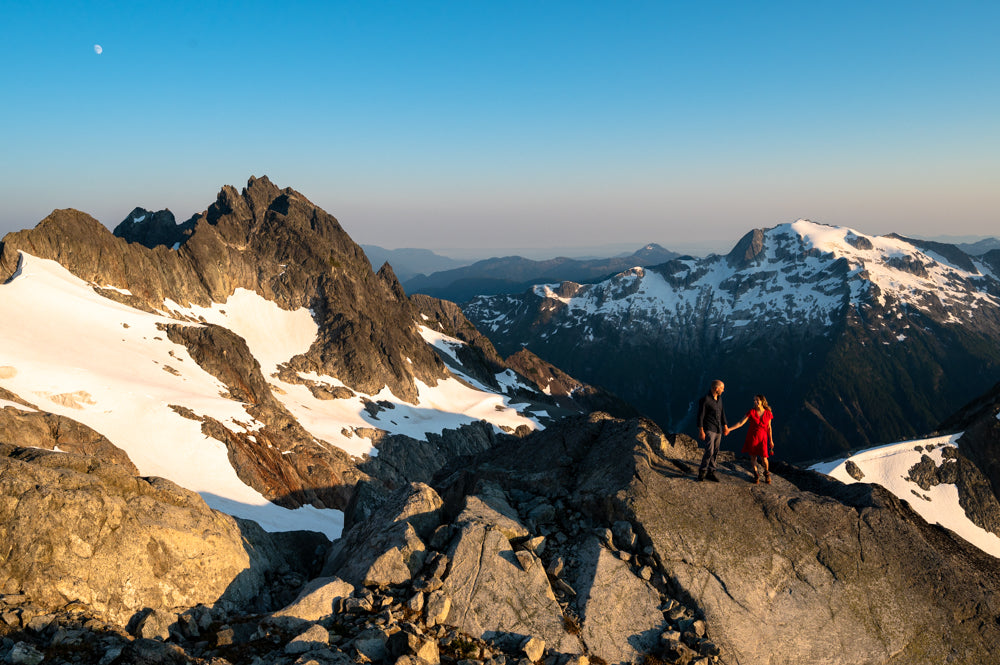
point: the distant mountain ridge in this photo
(512, 274)
(854, 339)
(410, 262)
(979, 247)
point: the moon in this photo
(98, 49)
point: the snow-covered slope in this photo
(70, 351)
(895, 466)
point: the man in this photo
(712, 426)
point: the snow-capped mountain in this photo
(256, 359)
(854, 339)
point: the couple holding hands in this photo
(712, 426)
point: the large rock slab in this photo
(388, 548)
(317, 600)
(806, 570)
(809, 571)
(30, 427)
(620, 612)
(489, 506)
(496, 594)
(75, 528)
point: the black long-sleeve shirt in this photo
(711, 415)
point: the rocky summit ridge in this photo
(588, 542)
(271, 241)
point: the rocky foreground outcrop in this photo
(641, 559)
(80, 531)
(593, 542)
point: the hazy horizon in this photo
(477, 125)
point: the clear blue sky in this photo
(512, 124)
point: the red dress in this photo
(756, 441)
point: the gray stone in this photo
(491, 593)
(188, 626)
(153, 652)
(533, 649)
(407, 643)
(535, 545)
(416, 602)
(437, 608)
(157, 625)
(620, 614)
(563, 587)
(315, 637)
(624, 536)
(38, 622)
(525, 559)
(371, 644)
(482, 511)
(225, 636)
(317, 600)
(555, 566)
(24, 654)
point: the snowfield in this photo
(889, 467)
(72, 352)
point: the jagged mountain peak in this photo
(257, 359)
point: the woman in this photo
(760, 440)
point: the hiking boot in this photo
(711, 476)
(701, 476)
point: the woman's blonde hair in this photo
(763, 401)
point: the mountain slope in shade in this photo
(261, 363)
(854, 339)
